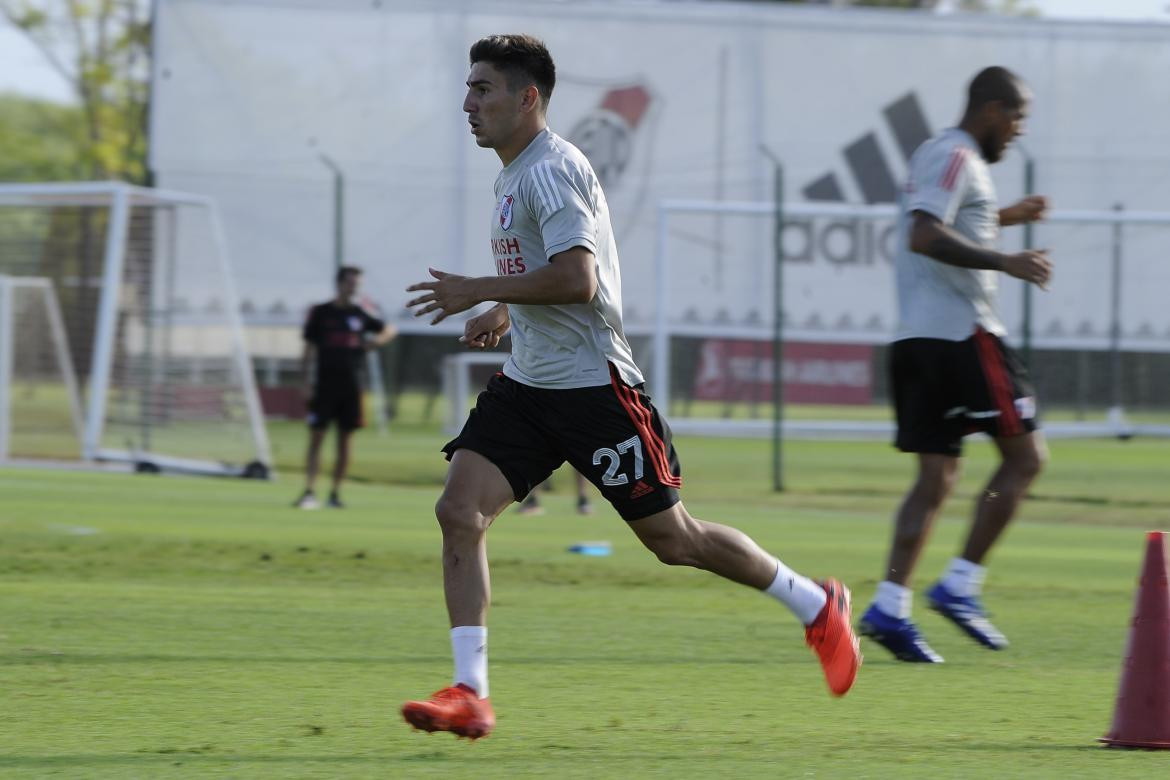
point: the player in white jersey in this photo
(570, 390)
(950, 372)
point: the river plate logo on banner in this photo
(606, 134)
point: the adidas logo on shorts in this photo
(640, 489)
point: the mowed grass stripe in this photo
(207, 630)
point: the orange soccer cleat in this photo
(456, 709)
(832, 637)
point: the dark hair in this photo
(344, 271)
(995, 84)
(522, 59)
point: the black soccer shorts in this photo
(612, 434)
(944, 390)
(342, 405)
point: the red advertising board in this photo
(739, 370)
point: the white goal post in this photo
(150, 317)
(23, 361)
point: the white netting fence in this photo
(1098, 341)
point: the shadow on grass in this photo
(198, 757)
(205, 758)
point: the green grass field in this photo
(165, 627)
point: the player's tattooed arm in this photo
(930, 237)
(570, 277)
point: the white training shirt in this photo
(950, 180)
(549, 200)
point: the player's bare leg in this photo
(313, 456)
(679, 539)
(887, 621)
(1023, 457)
(475, 494)
(937, 475)
(340, 465)
(312, 465)
(956, 595)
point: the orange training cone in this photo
(1142, 717)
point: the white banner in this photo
(670, 101)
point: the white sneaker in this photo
(307, 501)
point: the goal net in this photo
(1097, 342)
(40, 406)
(149, 324)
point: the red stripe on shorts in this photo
(656, 442)
(998, 383)
(641, 419)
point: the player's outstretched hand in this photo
(1030, 209)
(1031, 266)
(484, 331)
(448, 294)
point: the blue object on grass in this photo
(592, 548)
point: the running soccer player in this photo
(950, 372)
(569, 391)
(336, 339)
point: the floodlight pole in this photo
(7, 326)
(1115, 393)
(1026, 326)
(777, 320)
(338, 209)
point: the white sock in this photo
(893, 599)
(469, 646)
(964, 578)
(800, 594)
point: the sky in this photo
(23, 69)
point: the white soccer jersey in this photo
(548, 200)
(950, 180)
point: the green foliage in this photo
(102, 49)
(39, 140)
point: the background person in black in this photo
(336, 340)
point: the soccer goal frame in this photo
(9, 285)
(118, 199)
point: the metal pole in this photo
(720, 163)
(660, 387)
(1026, 327)
(777, 322)
(338, 210)
(1115, 321)
(7, 326)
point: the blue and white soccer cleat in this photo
(968, 614)
(898, 635)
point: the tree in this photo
(39, 140)
(102, 48)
